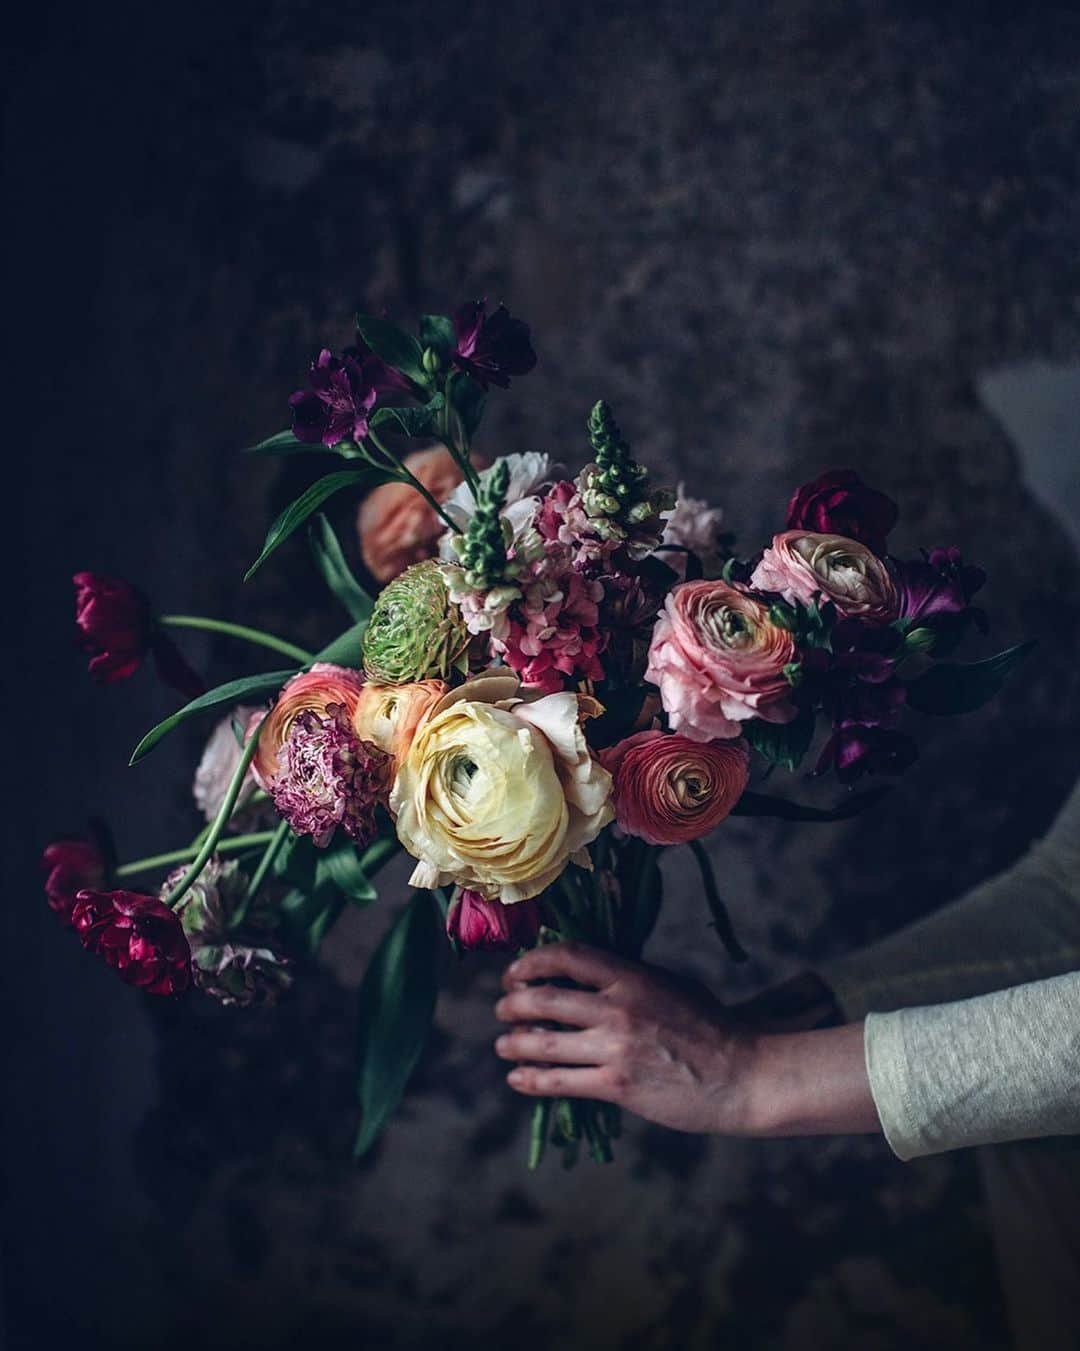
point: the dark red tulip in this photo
(840, 503)
(117, 629)
(70, 866)
(137, 935)
(476, 924)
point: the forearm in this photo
(809, 1083)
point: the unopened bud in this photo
(432, 361)
(783, 616)
(920, 640)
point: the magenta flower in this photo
(940, 583)
(554, 635)
(138, 936)
(70, 866)
(854, 750)
(491, 348)
(343, 391)
(476, 924)
(117, 629)
(328, 777)
(840, 503)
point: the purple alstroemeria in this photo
(940, 583)
(491, 348)
(341, 395)
(854, 750)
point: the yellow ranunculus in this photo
(497, 793)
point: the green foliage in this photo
(961, 687)
(763, 804)
(410, 419)
(398, 349)
(720, 917)
(285, 443)
(336, 573)
(232, 692)
(782, 743)
(296, 513)
(437, 331)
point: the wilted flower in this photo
(136, 935)
(327, 777)
(117, 628)
(70, 866)
(941, 583)
(718, 660)
(491, 348)
(415, 631)
(398, 527)
(497, 794)
(839, 503)
(389, 715)
(206, 907)
(806, 567)
(237, 974)
(343, 391)
(314, 691)
(669, 789)
(479, 925)
(219, 762)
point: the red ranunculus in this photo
(840, 503)
(490, 926)
(117, 629)
(70, 866)
(137, 935)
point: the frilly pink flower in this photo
(312, 690)
(718, 660)
(803, 566)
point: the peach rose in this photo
(396, 525)
(390, 715)
(324, 684)
(801, 565)
(669, 789)
(718, 660)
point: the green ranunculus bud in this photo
(920, 640)
(415, 631)
(432, 361)
(783, 616)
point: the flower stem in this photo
(225, 811)
(233, 845)
(270, 853)
(458, 445)
(298, 654)
(407, 477)
(721, 919)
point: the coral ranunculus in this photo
(718, 660)
(840, 503)
(669, 789)
(390, 715)
(497, 794)
(137, 935)
(70, 866)
(803, 566)
(479, 925)
(397, 527)
(313, 691)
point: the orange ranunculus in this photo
(314, 690)
(390, 715)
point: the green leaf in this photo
(306, 917)
(345, 649)
(468, 401)
(436, 330)
(720, 917)
(784, 743)
(396, 347)
(336, 572)
(230, 693)
(413, 421)
(397, 1003)
(296, 513)
(962, 687)
(340, 866)
(762, 804)
(284, 443)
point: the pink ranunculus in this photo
(718, 660)
(477, 924)
(311, 691)
(803, 566)
(669, 789)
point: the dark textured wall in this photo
(777, 237)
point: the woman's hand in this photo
(637, 1037)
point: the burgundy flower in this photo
(491, 348)
(136, 935)
(343, 391)
(329, 777)
(839, 503)
(940, 583)
(854, 750)
(70, 866)
(116, 627)
(476, 924)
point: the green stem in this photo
(225, 811)
(414, 481)
(230, 846)
(273, 847)
(458, 445)
(238, 631)
(721, 919)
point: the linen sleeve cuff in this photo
(887, 1067)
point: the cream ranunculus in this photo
(498, 793)
(804, 566)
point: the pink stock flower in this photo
(327, 777)
(806, 567)
(554, 635)
(477, 924)
(718, 660)
(669, 789)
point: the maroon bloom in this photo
(854, 750)
(940, 583)
(117, 629)
(71, 866)
(343, 391)
(839, 503)
(476, 924)
(491, 348)
(138, 936)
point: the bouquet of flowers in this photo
(560, 677)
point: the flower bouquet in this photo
(560, 677)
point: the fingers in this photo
(551, 1004)
(561, 1083)
(553, 1048)
(570, 961)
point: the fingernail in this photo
(515, 1077)
(500, 1043)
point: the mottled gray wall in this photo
(777, 237)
